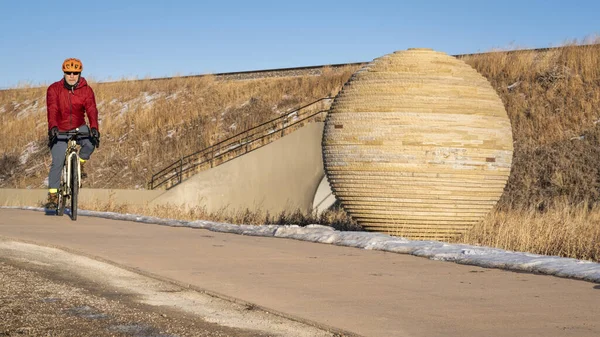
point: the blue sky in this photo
(129, 39)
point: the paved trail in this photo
(369, 293)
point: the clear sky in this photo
(138, 39)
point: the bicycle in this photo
(70, 178)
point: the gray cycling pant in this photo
(59, 150)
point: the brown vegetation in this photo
(335, 217)
(146, 125)
(550, 205)
(553, 101)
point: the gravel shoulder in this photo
(49, 292)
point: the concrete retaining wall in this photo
(283, 175)
(36, 197)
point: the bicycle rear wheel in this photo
(74, 186)
(62, 202)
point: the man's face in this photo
(71, 77)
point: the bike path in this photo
(370, 293)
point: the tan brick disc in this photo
(417, 144)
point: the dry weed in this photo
(564, 230)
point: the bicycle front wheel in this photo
(62, 195)
(74, 186)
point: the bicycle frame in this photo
(66, 190)
(67, 169)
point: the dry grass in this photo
(565, 230)
(550, 205)
(552, 99)
(145, 125)
(334, 217)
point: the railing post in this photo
(246, 141)
(180, 170)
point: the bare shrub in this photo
(9, 165)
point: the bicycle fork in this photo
(68, 171)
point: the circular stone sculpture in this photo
(417, 144)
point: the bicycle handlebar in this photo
(73, 133)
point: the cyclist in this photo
(67, 103)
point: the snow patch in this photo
(30, 148)
(30, 108)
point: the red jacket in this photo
(66, 108)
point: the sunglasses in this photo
(72, 73)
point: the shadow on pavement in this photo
(53, 212)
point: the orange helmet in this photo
(72, 64)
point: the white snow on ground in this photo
(29, 149)
(172, 96)
(145, 100)
(170, 134)
(435, 250)
(28, 108)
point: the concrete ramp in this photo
(281, 176)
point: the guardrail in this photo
(238, 144)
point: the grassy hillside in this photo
(145, 125)
(550, 204)
(553, 101)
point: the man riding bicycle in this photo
(67, 103)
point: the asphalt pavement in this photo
(369, 293)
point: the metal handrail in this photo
(175, 171)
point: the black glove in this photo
(96, 137)
(52, 136)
